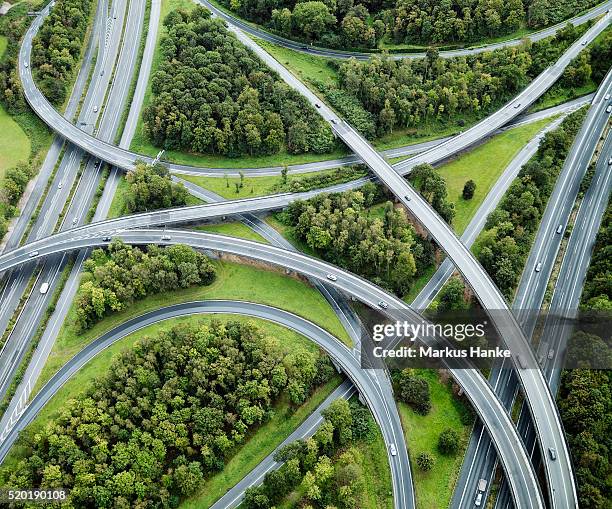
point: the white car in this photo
(95, 109)
(166, 237)
(478, 500)
(552, 453)
(60, 185)
(392, 450)
(26, 65)
(407, 197)
(606, 97)
(538, 267)
(44, 287)
(610, 162)
(74, 220)
(33, 254)
(609, 109)
(331, 277)
(383, 304)
(559, 228)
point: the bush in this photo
(414, 391)
(468, 190)
(425, 461)
(448, 442)
(151, 188)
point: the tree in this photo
(312, 18)
(468, 190)
(150, 188)
(425, 461)
(448, 441)
(452, 296)
(414, 391)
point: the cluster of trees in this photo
(585, 404)
(405, 93)
(56, 49)
(325, 468)
(427, 22)
(166, 415)
(114, 279)
(151, 188)
(12, 26)
(363, 24)
(12, 187)
(213, 95)
(385, 250)
(300, 184)
(432, 186)
(541, 13)
(412, 390)
(597, 292)
(509, 231)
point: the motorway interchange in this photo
(495, 439)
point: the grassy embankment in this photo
(434, 489)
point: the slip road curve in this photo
(561, 484)
(126, 160)
(513, 456)
(343, 356)
(261, 33)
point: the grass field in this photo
(306, 67)
(15, 146)
(234, 229)
(483, 165)
(3, 44)
(252, 186)
(234, 281)
(434, 489)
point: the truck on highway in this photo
(482, 485)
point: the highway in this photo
(569, 282)
(439, 230)
(125, 159)
(561, 485)
(473, 229)
(533, 285)
(113, 70)
(261, 33)
(523, 481)
(51, 208)
(401, 475)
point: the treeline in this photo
(597, 292)
(504, 244)
(382, 94)
(115, 278)
(433, 188)
(12, 186)
(325, 470)
(363, 24)
(585, 404)
(213, 95)
(385, 249)
(151, 188)
(12, 26)
(317, 180)
(591, 64)
(167, 414)
(57, 47)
